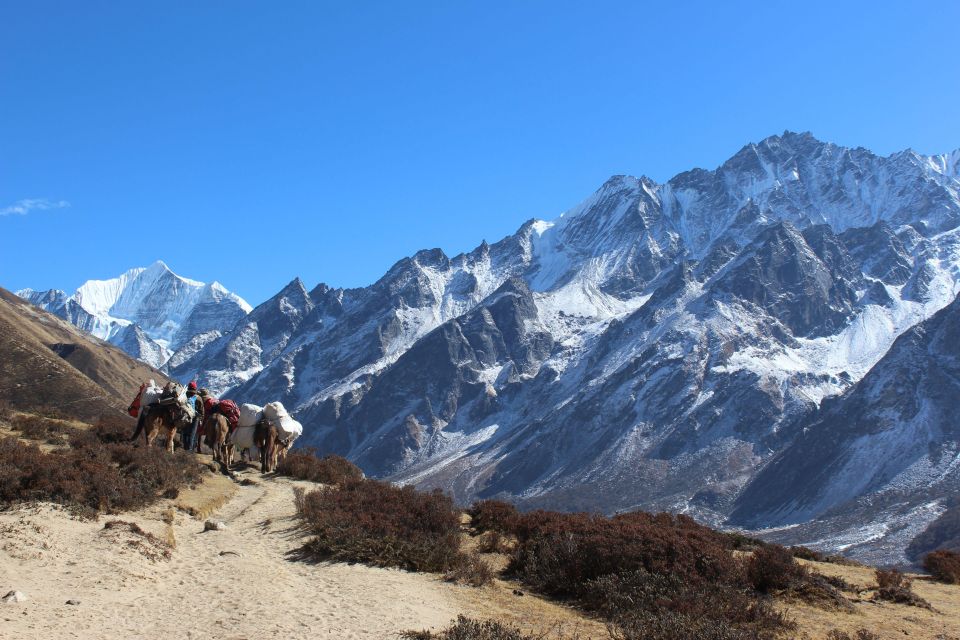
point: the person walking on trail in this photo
(190, 434)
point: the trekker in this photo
(190, 433)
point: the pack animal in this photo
(216, 430)
(267, 439)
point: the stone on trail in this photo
(210, 525)
(15, 596)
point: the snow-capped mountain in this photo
(659, 346)
(655, 346)
(149, 312)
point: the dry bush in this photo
(92, 476)
(466, 629)
(741, 542)
(146, 543)
(305, 465)
(41, 428)
(494, 542)
(943, 565)
(494, 515)
(772, 568)
(821, 591)
(649, 576)
(558, 554)
(893, 586)
(805, 553)
(299, 499)
(862, 634)
(379, 524)
(658, 605)
(470, 569)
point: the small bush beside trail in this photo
(943, 565)
(893, 586)
(494, 515)
(304, 464)
(92, 475)
(559, 554)
(772, 568)
(467, 629)
(382, 525)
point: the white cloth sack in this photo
(150, 395)
(289, 428)
(250, 415)
(274, 411)
(243, 437)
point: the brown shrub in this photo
(772, 568)
(862, 634)
(466, 629)
(893, 586)
(641, 604)
(92, 476)
(805, 553)
(494, 542)
(494, 515)
(41, 428)
(559, 554)
(470, 569)
(943, 565)
(305, 465)
(379, 524)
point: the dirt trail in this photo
(237, 583)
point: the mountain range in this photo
(764, 345)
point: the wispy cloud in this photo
(25, 206)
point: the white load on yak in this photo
(289, 428)
(150, 394)
(242, 438)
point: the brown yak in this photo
(216, 431)
(157, 418)
(266, 437)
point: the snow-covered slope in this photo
(149, 312)
(652, 347)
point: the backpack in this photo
(231, 411)
(209, 405)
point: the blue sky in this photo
(251, 142)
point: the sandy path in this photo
(199, 593)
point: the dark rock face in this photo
(898, 420)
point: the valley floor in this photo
(246, 580)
